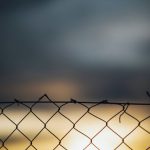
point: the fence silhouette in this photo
(73, 125)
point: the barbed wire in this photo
(96, 140)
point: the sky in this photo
(84, 49)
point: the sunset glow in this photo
(90, 132)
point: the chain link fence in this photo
(74, 125)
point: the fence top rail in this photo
(84, 102)
(104, 101)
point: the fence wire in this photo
(70, 125)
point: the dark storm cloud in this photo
(102, 45)
(9, 5)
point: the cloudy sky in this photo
(85, 49)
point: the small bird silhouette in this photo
(73, 100)
(148, 94)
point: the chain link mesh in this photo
(74, 125)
